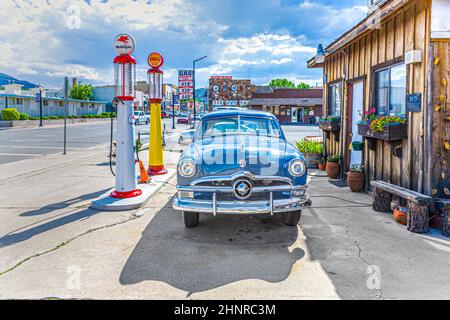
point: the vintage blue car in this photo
(240, 163)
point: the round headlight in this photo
(297, 167)
(187, 168)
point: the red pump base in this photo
(157, 171)
(126, 195)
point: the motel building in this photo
(290, 106)
(394, 64)
(13, 96)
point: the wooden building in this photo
(396, 62)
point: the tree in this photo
(303, 85)
(281, 83)
(82, 92)
(285, 83)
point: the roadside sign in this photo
(186, 84)
(38, 97)
(124, 44)
(155, 60)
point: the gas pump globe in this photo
(155, 81)
(125, 77)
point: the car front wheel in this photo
(190, 219)
(292, 218)
(147, 122)
(137, 122)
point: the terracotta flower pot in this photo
(322, 166)
(355, 181)
(333, 169)
(401, 216)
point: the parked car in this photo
(183, 119)
(186, 137)
(140, 118)
(268, 176)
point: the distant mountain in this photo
(6, 79)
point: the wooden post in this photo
(381, 200)
(418, 218)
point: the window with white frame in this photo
(390, 90)
(334, 99)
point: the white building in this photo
(13, 96)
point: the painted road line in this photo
(21, 154)
(36, 147)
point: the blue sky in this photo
(44, 40)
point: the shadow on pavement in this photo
(63, 204)
(13, 238)
(220, 251)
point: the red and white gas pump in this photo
(125, 79)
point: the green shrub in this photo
(9, 114)
(53, 117)
(45, 118)
(310, 146)
(334, 158)
(356, 168)
(24, 116)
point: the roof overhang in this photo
(316, 62)
(302, 102)
(369, 23)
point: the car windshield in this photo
(239, 125)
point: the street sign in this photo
(155, 60)
(186, 84)
(38, 97)
(124, 44)
(414, 102)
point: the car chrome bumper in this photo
(249, 207)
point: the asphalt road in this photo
(27, 143)
(20, 144)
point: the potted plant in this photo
(355, 178)
(358, 145)
(312, 151)
(401, 215)
(321, 164)
(333, 169)
(331, 123)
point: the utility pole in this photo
(173, 109)
(66, 95)
(40, 107)
(193, 80)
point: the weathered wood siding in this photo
(438, 163)
(400, 31)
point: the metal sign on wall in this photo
(186, 84)
(414, 102)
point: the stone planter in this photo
(333, 170)
(355, 181)
(311, 159)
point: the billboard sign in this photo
(186, 84)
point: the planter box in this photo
(390, 133)
(331, 126)
(311, 159)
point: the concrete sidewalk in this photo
(45, 201)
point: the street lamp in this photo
(193, 78)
